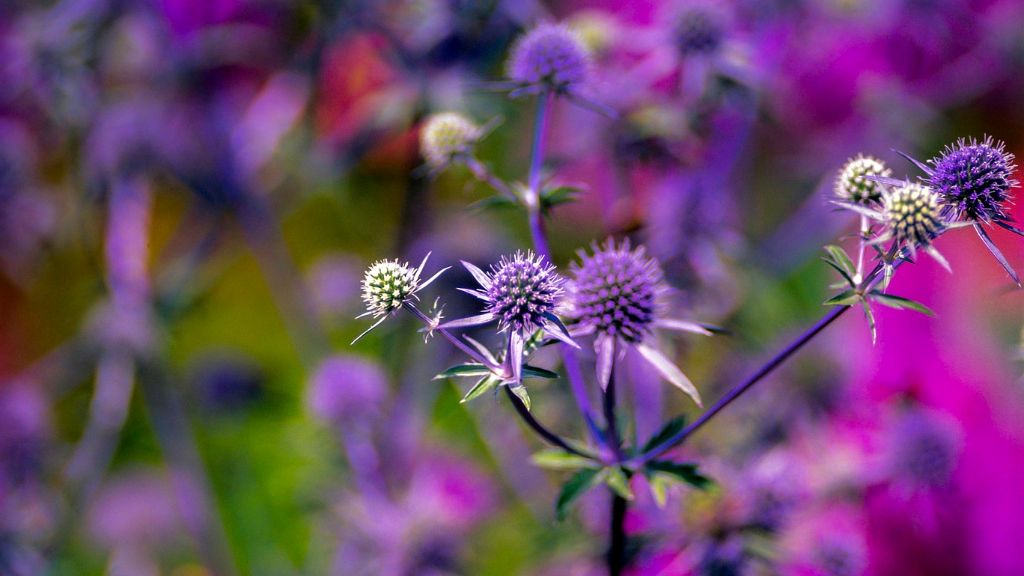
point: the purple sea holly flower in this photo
(615, 295)
(522, 293)
(550, 56)
(388, 286)
(975, 180)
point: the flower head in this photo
(912, 214)
(923, 448)
(521, 293)
(614, 295)
(523, 289)
(549, 55)
(853, 186)
(388, 285)
(615, 291)
(698, 28)
(447, 135)
(974, 179)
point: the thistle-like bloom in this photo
(975, 180)
(912, 214)
(615, 295)
(853, 184)
(521, 293)
(922, 448)
(698, 28)
(389, 285)
(549, 56)
(446, 136)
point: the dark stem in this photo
(737, 391)
(533, 208)
(617, 546)
(547, 435)
(895, 255)
(617, 531)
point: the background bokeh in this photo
(190, 190)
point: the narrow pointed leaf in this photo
(556, 459)
(481, 349)
(846, 276)
(514, 356)
(485, 384)
(938, 257)
(685, 326)
(1010, 227)
(995, 252)
(475, 293)
(670, 371)
(432, 278)
(870, 317)
(617, 480)
(840, 257)
(668, 430)
(900, 303)
(681, 472)
(604, 347)
(558, 330)
(844, 298)
(575, 487)
(924, 167)
(536, 372)
(464, 371)
(520, 391)
(480, 276)
(468, 321)
(367, 331)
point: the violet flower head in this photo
(346, 387)
(698, 28)
(975, 179)
(388, 286)
(853, 184)
(923, 448)
(912, 214)
(614, 295)
(549, 55)
(522, 292)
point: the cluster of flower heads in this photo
(969, 183)
(614, 295)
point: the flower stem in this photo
(533, 207)
(617, 543)
(540, 245)
(617, 531)
(871, 280)
(738, 390)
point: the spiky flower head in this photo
(698, 27)
(550, 54)
(975, 179)
(387, 285)
(614, 291)
(853, 186)
(913, 214)
(523, 289)
(447, 135)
